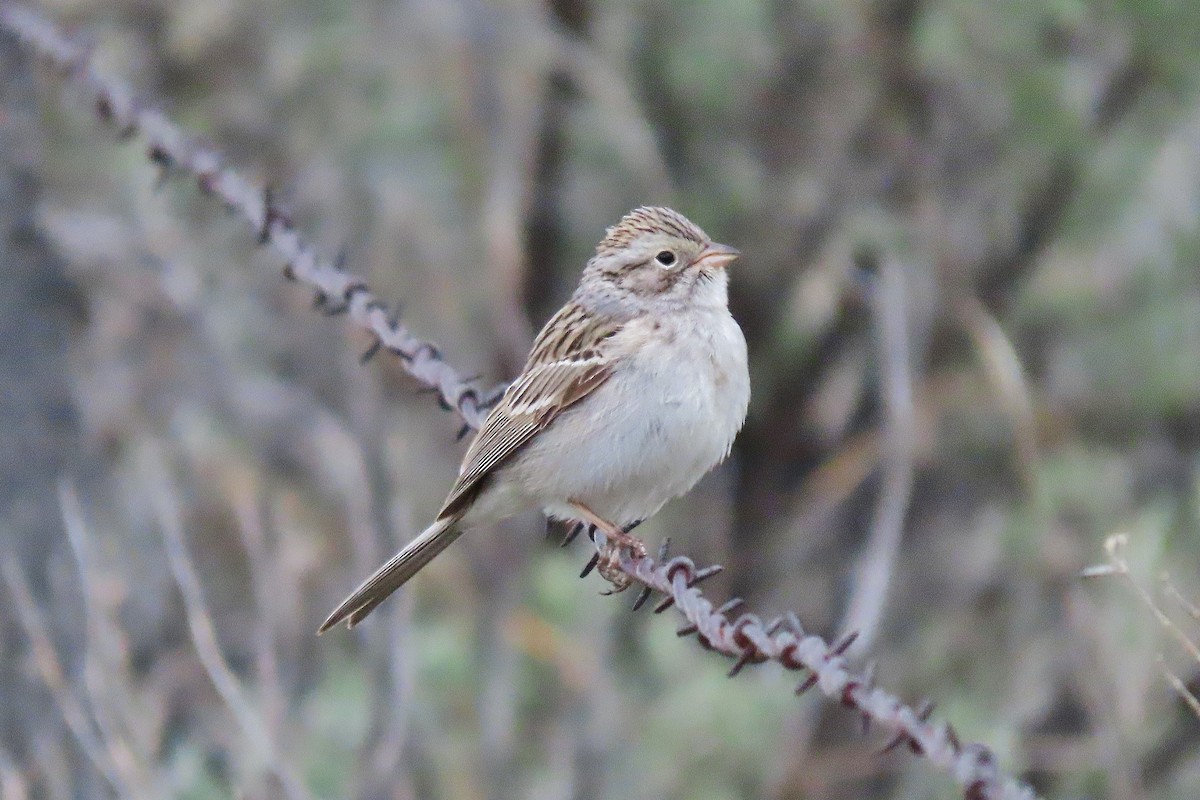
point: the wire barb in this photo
(706, 573)
(952, 738)
(898, 738)
(268, 216)
(843, 644)
(807, 684)
(371, 351)
(730, 606)
(868, 683)
(744, 659)
(664, 604)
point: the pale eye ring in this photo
(665, 257)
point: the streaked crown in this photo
(649, 219)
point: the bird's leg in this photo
(614, 535)
(615, 539)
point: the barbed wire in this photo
(172, 150)
(743, 637)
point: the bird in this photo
(631, 393)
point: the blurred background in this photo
(970, 292)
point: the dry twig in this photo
(102, 648)
(50, 670)
(877, 563)
(1118, 566)
(204, 635)
(1002, 366)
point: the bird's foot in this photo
(615, 541)
(609, 567)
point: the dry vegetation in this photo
(971, 296)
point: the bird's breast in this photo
(693, 385)
(666, 416)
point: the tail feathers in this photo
(394, 574)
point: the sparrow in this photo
(633, 391)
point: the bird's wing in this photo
(570, 359)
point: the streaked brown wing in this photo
(567, 363)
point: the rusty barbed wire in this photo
(747, 639)
(744, 637)
(172, 150)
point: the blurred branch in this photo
(1043, 211)
(101, 650)
(50, 670)
(264, 578)
(623, 120)
(744, 638)
(377, 521)
(878, 560)
(1173, 592)
(1179, 686)
(204, 635)
(12, 783)
(1002, 366)
(1040, 217)
(892, 447)
(40, 306)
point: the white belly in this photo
(650, 432)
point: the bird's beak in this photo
(717, 255)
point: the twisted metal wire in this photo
(744, 637)
(747, 639)
(174, 151)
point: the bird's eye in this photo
(665, 257)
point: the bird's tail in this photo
(392, 575)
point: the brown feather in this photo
(568, 361)
(394, 574)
